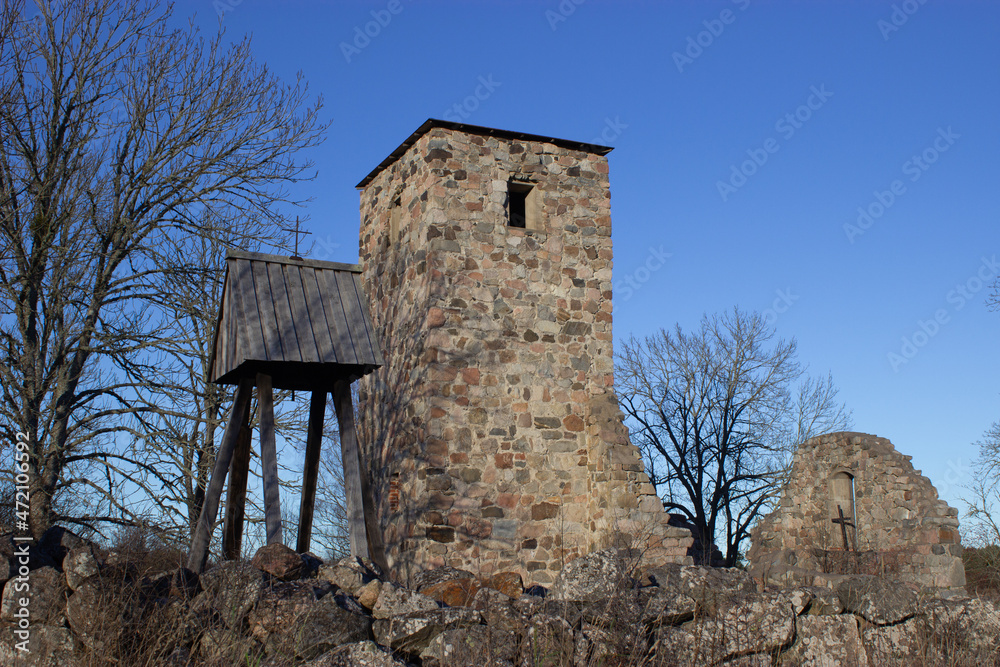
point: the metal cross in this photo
(844, 523)
(297, 232)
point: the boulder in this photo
(428, 578)
(714, 588)
(368, 594)
(98, 610)
(411, 633)
(178, 583)
(668, 607)
(469, 645)
(452, 592)
(80, 564)
(220, 646)
(279, 561)
(395, 600)
(760, 623)
(232, 588)
(44, 588)
(900, 644)
(826, 641)
(508, 583)
(877, 600)
(304, 629)
(47, 646)
(969, 627)
(825, 602)
(349, 574)
(596, 576)
(547, 642)
(57, 541)
(358, 654)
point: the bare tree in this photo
(983, 503)
(120, 139)
(714, 412)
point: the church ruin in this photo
(852, 504)
(494, 434)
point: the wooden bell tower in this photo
(299, 324)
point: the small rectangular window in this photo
(517, 204)
(394, 214)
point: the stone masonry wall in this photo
(494, 432)
(902, 528)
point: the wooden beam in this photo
(236, 499)
(314, 441)
(351, 459)
(269, 458)
(365, 534)
(210, 509)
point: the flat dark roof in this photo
(431, 123)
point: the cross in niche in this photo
(844, 523)
(297, 232)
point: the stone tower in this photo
(494, 435)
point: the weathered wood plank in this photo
(335, 315)
(310, 472)
(317, 311)
(265, 312)
(283, 314)
(365, 534)
(351, 460)
(268, 459)
(245, 295)
(301, 316)
(376, 352)
(352, 314)
(239, 473)
(210, 509)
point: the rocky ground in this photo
(89, 607)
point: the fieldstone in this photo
(877, 600)
(358, 654)
(470, 645)
(668, 607)
(825, 602)
(547, 642)
(47, 646)
(761, 623)
(716, 587)
(598, 575)
(79, 564)
(219, 646)
(44, 588)
(349, 574)
(898, 644)
(97, 610)
(453, 592)
(58, 541)
(411, 633)
(826, 641)
(279, 561)
(232, 588)
(969, 627)
(428, 578)
(508, 583)
(368, 594)
(297, 627)
(394, 600)
(179, 583)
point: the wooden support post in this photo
(210, 509)
(365, 535)
(269, 459)
(236, 499)
(314, 441)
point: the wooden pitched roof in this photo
(302, 321)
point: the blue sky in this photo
(893, 110)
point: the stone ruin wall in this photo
(902, 528)
(495, 434)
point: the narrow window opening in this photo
(517, 204)
(394, 214)
(842, 501)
